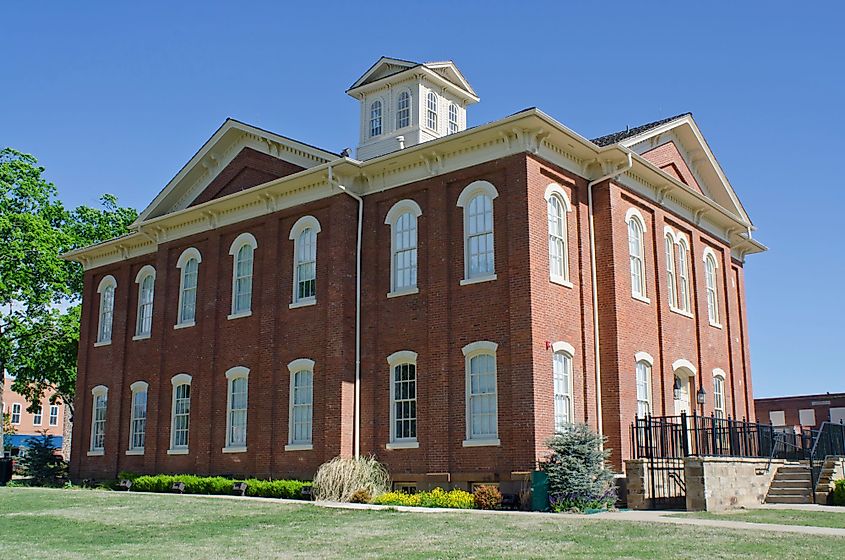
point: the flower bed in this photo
(437, 498)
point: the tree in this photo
(40, 462)
(39, 291)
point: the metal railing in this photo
(830, 441)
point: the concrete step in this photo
(778, 492)
(789, 499)
(793, 476)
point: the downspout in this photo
(357, 413)
(611, 175)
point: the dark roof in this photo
(617, 137)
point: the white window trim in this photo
(428, 94)
(175, 381)
(554, 189)
(237, 372)
(382, 109)
(239, 242)
(50, 417)
(98, 391)
(395, 359)
(299, 364)
(644, 358)
(12, 414)
(561, 347)
(108, 281)
(683, 272)
(634, 214)
(298, 227)
(710, 253)
(395, 212)
(37, 414)
(684, 364)
(146, 270)
(137, 387)
(718, 373)
(471, 191)
(187, 254)
(470, 351)
(410, 109)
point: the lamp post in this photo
(701, 398)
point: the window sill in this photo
(303, 303)
(479, 279)
(403, 445)
(184, 325)
(97, 453)
(177, 451)
(102, 343)
(641, 298)
(716, 325)
(234, 450)
(561, 281)
(141, 337)
(239, 315)
(299, 447)
(681, 312)
(405, 292)
(482, 442)
(134, 451)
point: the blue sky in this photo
(115, 97)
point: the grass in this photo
(833, 519)
(86, 524)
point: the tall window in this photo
(188, 263)
(719, 395)
(683, 276)
(479, 257)
(643, 387)
(37, 416)
(636, 247)
(237, 379)
(453, 118)
(562, 373)
(54, 415)
(304, 234)
(16, 413)
(711, 283)
(301, 404)
(402, 219)
(375, 119)
(481, 394)
(98, 420)
(106, 291)
(242, 251)
(403, 110)
(403, 397)
(146, 287)
(670, 271)
(181, 413)
(431, 110)
(138, 418)
(557, 206)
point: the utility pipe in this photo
(628, 165)
(357, 413)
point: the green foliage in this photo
(577, 469)
(217, 485)
(8, 431)
(41, 463)
(437, 498)
(839, 493)
(338, 479)
(487, 497)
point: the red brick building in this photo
(801, 411)
(514, 277)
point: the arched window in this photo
(402, 219)
(403, 110)
(479, 257)
(431, 110)
(670, 271)
(710, 266)
(453, 118)
(375, 119)
(636, 252)
(304, 235)
(643, 379)
(180, 416)
(683, 276)
(481, 394)
(236, 409)
(189, 263)
(719, 393)
(242, 250)
(106, 291)
(146, 287)
(562, 374)
(300, 425)
(98, 420)
(557, 205)
(403, 399)
(138, 418)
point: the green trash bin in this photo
(539, 491)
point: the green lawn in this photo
(780, 516)
(86, 524)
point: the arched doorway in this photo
(683, 386)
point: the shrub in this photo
(487, 497)
(219, 485)
(41, 463)
(839, 493)
(576, 467)
(337, 480)
(361, 496)
(437, 498)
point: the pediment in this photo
(386, 67)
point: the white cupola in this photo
(405, 103)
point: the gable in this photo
(249, 168)
(668, 158)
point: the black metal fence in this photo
(830, 441)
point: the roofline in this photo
(801, 397)
(376, 84)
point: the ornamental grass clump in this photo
(579, 479)
(340, 478)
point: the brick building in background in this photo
(514, 277)
(50, 417)
(801, 411)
